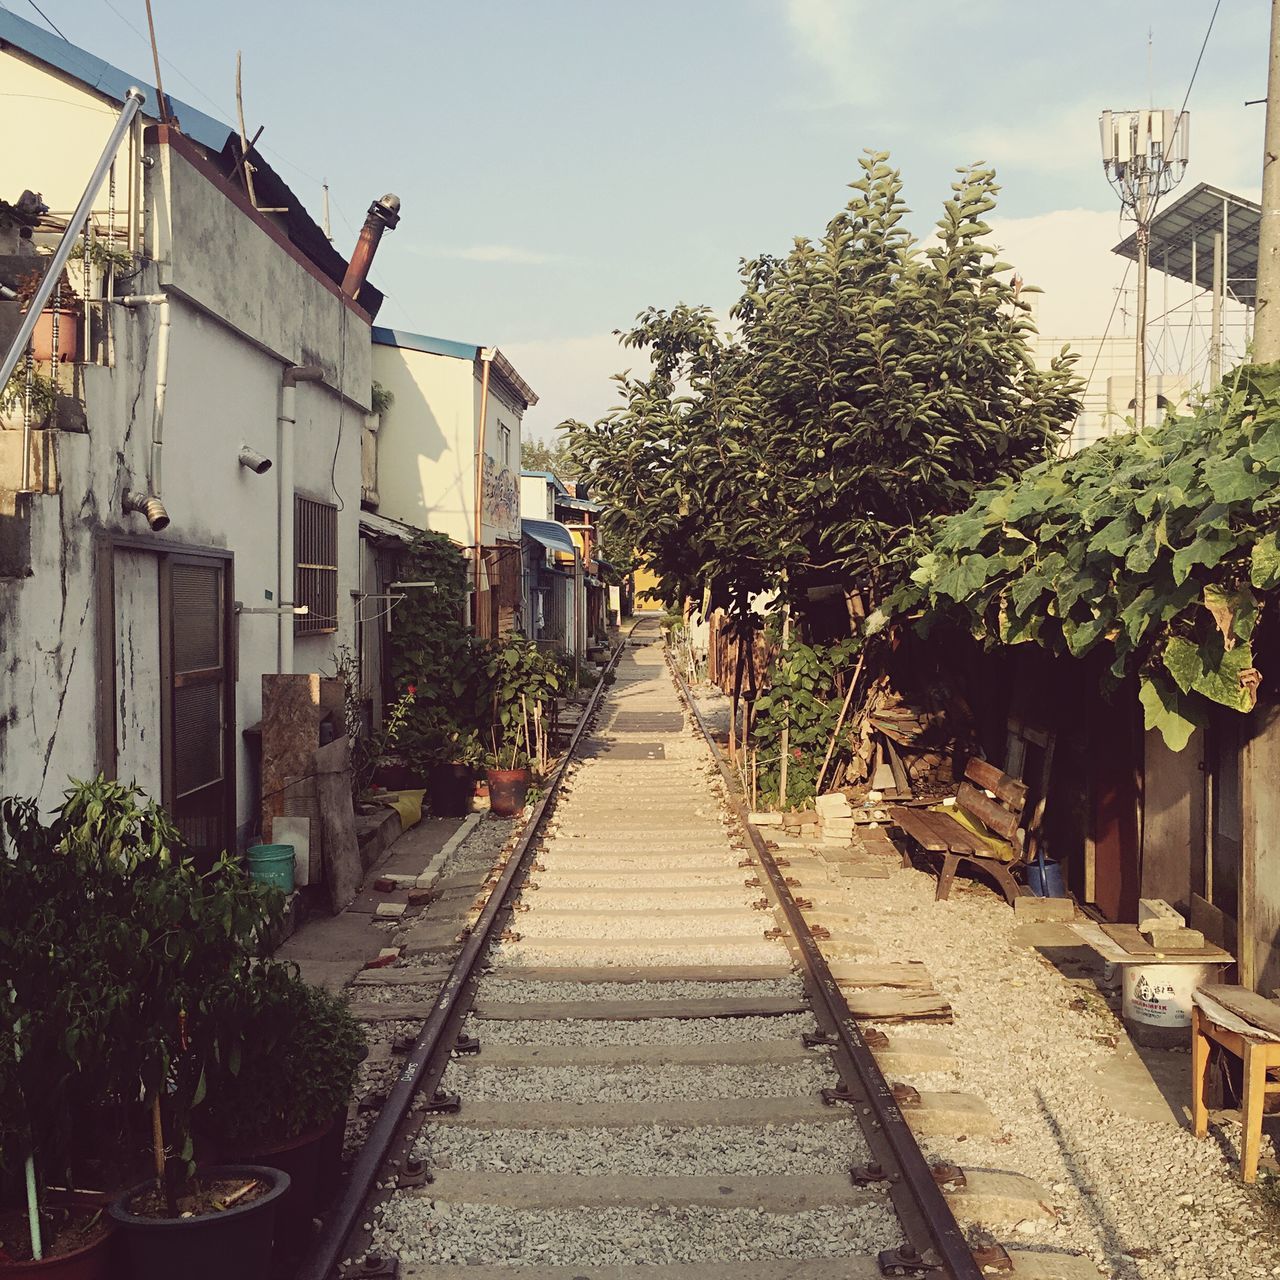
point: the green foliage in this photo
(521, 676)
(433, 650)
(1159, 544)
(42, 390)
(871, 387)
(120, 957)
(380, 399)
(296, 1066)
(555, 456)
(804, 698)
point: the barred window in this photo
(315, 546)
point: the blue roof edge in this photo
(106, 79)
(385, 337)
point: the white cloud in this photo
(824, 32)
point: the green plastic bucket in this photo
(272, 864)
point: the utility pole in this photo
(1144, 154)
(1143, 209)
(1266, 330)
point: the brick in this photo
(420, 897)
(384, 884)
(384, 959)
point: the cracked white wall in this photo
(242, 310)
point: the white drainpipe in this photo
(149, 503)
(284, 466)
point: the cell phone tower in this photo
(1144, 154)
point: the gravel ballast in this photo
(416, 1230)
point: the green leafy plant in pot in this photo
(280, 1096)
(167, 943)
(525, 682)
(51, 1046)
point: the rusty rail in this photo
(426, 1061)
(936, 1243)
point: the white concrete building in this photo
(126, 647)
(450, 402)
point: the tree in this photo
(871, 387)
(555, 456)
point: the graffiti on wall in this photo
(501, 497)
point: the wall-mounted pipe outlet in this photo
(253, 461)
(145, 504)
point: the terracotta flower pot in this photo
(68, 336)
(507, 791)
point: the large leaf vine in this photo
(1161, 544)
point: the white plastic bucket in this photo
(1160, 994)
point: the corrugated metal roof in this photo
(551, 533)
(577, 504)
(110, 81)
(1194, 219)
(402, 338)
(385, 527)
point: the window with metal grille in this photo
(315, 546)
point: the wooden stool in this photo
(1257, 1056)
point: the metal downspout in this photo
(486, 360)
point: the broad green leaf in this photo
(1264, 562)
(1166, 711)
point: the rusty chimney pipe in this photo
(382, 216)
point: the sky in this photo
(564, 164)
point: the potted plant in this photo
(508, 774)
(51, 1043)
(282, 1099)
(155, 955)
(60, 306)
(453, 754)
(13, 397)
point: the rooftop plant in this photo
(1160, 545)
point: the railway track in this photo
(642, 1061)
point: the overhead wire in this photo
(49, 21)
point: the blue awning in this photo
(553, 535)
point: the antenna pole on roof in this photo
(162, 101)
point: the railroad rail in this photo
(932, 1240)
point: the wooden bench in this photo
(1001, 818)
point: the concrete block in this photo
(391, 910)
(763, 819)
(1030, 908)
(384, 959)
(1173, 938)
(1157, 913)
(834, 804)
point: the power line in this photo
(47, 19)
